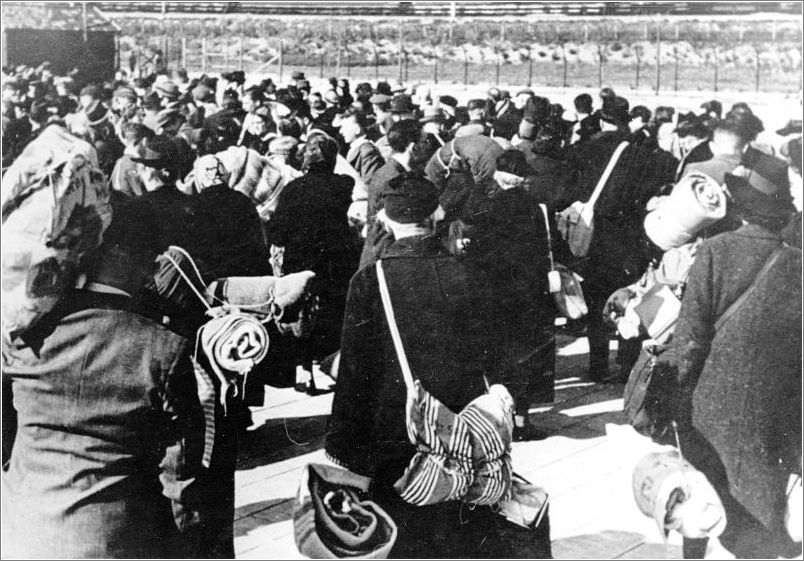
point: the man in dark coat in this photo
(738, 401)
(448, 319)
(108, 456)
(362, 154)
(693, 136)
(620, 250)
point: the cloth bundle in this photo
(55, 207)
(696, 202)
(333, 518)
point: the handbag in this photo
(464, 456)
(333, 517)
(652, 383)
(576, 221)
(564, 284)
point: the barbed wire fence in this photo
(661, 55)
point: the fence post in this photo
(376, 64)
(658, 57)
(497, 69)
(638, 53)
(281, 59)
(184, 52)
(240, 53)
(338, 56)
(226, 56)
(564, 56)
(599, 66)
(675, 71)
(465, 68)
(321, 67)
(204, 55)
(435, 67)
(406, 67)
(401, 49)
(530, 67)
(348, 63)
(716, 69)
(759, 65)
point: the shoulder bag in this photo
(576, 221)
(564, 284)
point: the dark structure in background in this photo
(66, 34)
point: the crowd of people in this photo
(283, 199)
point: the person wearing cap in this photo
(367, 432)
(477, 119)
(381, 108)
(113, 470)
(402, 108)
(619, 251)
(362, 155)
(432, 122)
(728, 378)
(693, 138)
(168, 93)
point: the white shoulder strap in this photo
(549, 239)
(606, 173)
(389, 314)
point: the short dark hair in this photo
(289, 127)
(583, 103)
(320, 153)
(402, 134)
(642, 112)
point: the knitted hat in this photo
(409, 198)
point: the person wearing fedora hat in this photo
(729, 375)
(402, 108)
(433, 121)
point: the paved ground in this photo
(585, 466)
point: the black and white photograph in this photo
(401, 280)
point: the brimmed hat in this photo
(402, 103)
(158, 152)
(167, 89)
(384, 88)
(236, 76)
(379, 99)
(297, 75)
(168, 117)
(409, 198)
(793, 126)
(761, 187)
(615, 110)
(92, 91)
(476, 104)
(526, 91)
(125, 92)
(432, 114)
(448, 100)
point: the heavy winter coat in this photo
(741, 385)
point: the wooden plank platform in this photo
(585, 465)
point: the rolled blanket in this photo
(233, 344)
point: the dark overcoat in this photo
(740, 387)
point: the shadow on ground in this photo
(281, 439)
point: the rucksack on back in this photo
(55, 208)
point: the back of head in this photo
(320, 153)
(289, 127)
(409, 198)
(514, 162)
(130, 246)
(583, 103)
(402, 134)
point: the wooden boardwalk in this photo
(585, 465)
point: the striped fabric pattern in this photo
(464, 456)
(206, 395)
